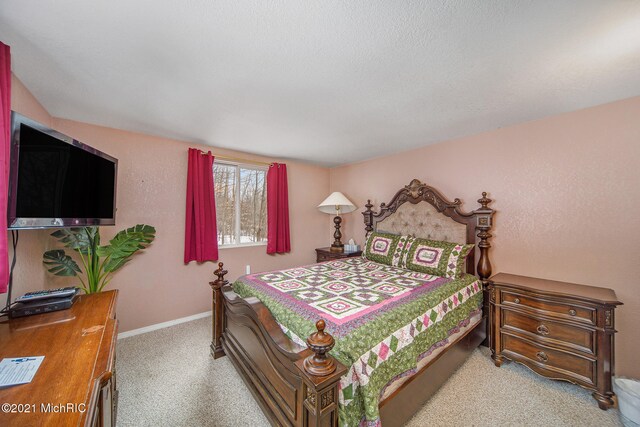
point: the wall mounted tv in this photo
(57, 181)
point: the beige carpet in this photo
(168, 378)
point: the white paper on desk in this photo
(19, 370)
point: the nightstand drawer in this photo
(549, 331)
(320, 257)
(325, 254)
(552, 308)
(560, 364)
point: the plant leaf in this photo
(59, 263)
(78, 239)
(125, 244)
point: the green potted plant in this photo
(99, 262)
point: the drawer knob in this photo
(517, 300)
(572, 312)
(542, 330)
(542, 356)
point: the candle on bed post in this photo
(218, 311)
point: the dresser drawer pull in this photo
(542, 356)
(572, 312)
(542, 330)
(517, 300)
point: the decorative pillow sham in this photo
(399, 255)
(444, 259)
(386, 248)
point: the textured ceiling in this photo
(328, 82)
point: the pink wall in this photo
(28, 274)
(156, 286)
(564, 188)
(23, 101)
(566, 193)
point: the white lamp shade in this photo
(336, 202)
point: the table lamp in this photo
(336, 203)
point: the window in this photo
(241, 203)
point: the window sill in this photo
(242, 245)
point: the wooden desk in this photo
(75, 384)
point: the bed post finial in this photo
(484, 201)
(221, 272)
(321, 374)
(368, 218)
(320, 343)
(484, 215)
(218, 311)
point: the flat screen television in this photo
(57, 181)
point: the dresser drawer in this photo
(551, 332)
(559, 363)
(552, 308)
(560, 330)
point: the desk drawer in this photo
(552, 332)
(566, 365)
(552, 308)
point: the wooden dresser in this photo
(560, 330)
(75, 384)
(325, 254)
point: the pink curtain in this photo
(5, 143)
(277, 210)
(200, 236)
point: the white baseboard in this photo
(163, 325)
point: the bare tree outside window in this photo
(224, 181)
(241, 203)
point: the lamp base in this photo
(338, 249)
(337, 245)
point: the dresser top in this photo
(604, 295)
(74, 343)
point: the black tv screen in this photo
(56, 181)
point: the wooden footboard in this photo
(295, 386)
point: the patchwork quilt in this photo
(384, 319)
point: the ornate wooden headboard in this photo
(430, 215)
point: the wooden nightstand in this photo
(324, 254)
(559, 330)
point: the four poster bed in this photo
(393, 335)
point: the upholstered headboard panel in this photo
(423, 220)
(422, 211)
